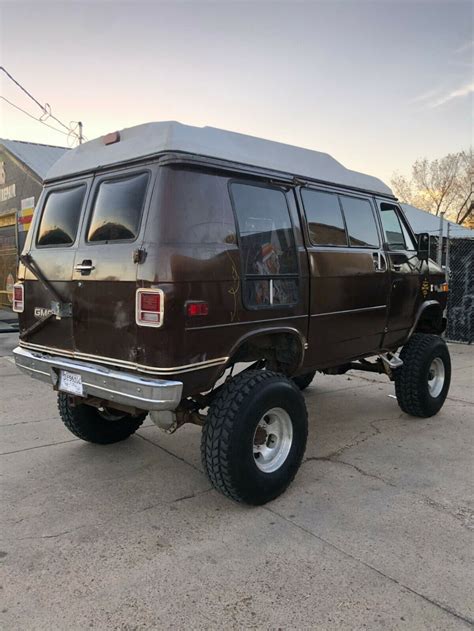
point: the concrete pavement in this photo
(375, 532)
(8, 321)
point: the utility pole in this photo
(80, 132)
(440, 240)
(448, 253)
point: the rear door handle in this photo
(85, 267)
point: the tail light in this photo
(149, 307)
(18, 298)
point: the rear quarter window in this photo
(200, 206)
(60, 216)
(267, 245)
(117, 209)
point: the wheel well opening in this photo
(282, 351)
(431, 320)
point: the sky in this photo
(375, 84)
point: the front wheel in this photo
(254, 437)
(95, 426)
(422, 383)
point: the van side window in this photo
(117, 209)
(396, 234)
(60, 218)
(267, 245)
(360, 222)
(324, 217)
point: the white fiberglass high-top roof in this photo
(153, 138)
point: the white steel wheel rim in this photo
(436, 376)
(272, 440)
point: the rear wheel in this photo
(422, 383)
(254, 437)
(303, 381)
(96, 426)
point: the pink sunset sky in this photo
(375, 84)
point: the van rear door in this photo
(105, 267)
(50, 253)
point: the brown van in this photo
(164, 258)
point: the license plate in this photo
(71, 382)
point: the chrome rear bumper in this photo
(110, 385)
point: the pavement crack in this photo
(192, 495)
(362, 437)
(40, 420)
(170, 453)
(58, 534)
(365, 473)
(444, 607)
(460, 400)
(104, 522)
(18, 451)
(334, 460)
(462, 514)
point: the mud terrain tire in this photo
(422, 383)
(87, 423)
(253, 399)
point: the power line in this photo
(46, 108)
(33, 117)
(22, 88)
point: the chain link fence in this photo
(457, 258)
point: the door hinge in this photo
(139, 255)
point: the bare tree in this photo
(444, 185)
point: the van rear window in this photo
(60, 218)
(118, 208)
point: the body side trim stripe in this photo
(119, 362)
(330, 313)
(221, 326)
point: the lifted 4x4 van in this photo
(163, 255)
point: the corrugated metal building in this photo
(23, 166)
(423, 221)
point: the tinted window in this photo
(118, 208)
(396, 233)
(60, 218)
(266, 244)
(266, 234)
(360, 222)
(200, 206)
(392, 228)
(324, 217)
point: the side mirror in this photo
(423, 250)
